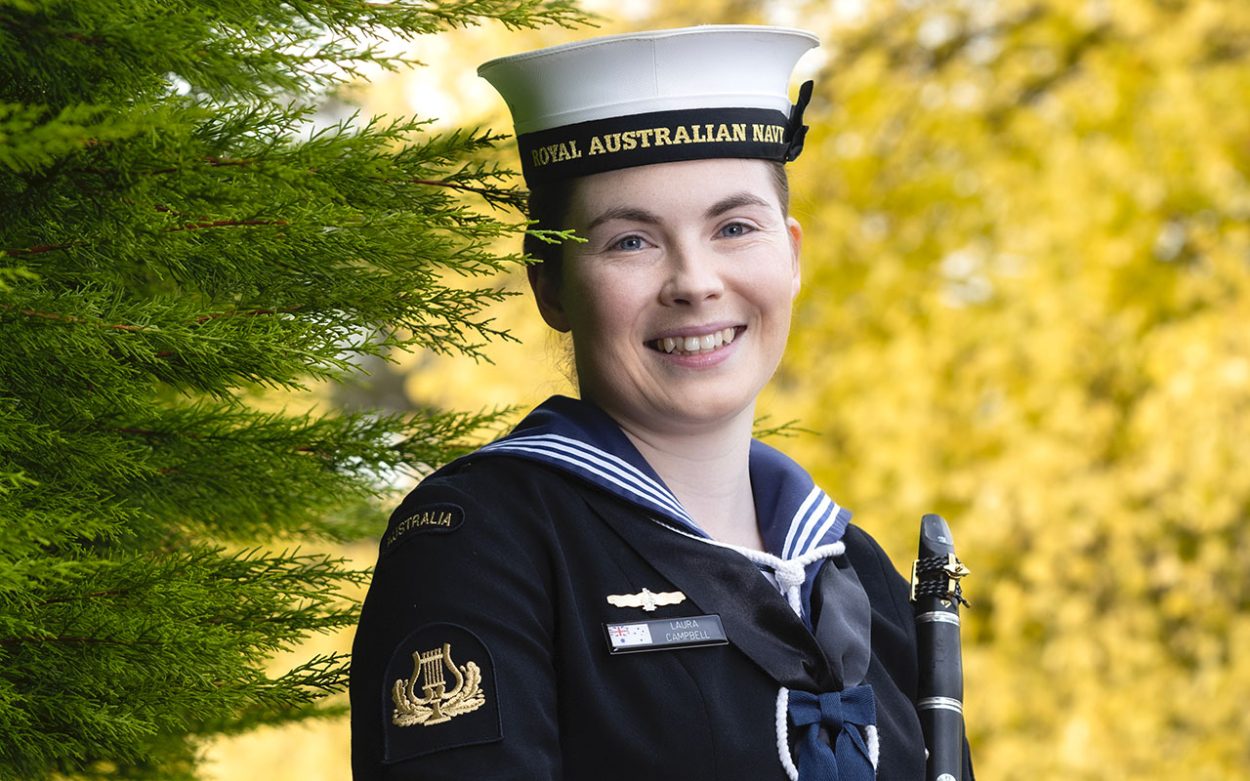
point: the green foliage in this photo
(176, 231)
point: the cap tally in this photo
(655, 97)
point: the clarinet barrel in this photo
(936, 596)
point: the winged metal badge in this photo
(439, 704)
(646, 599)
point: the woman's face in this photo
(679, 301)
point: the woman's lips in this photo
(695, 345)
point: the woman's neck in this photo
(709, 473)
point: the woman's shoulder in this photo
(495, 481)
(480, 492)
(868, 556)
(887, 589)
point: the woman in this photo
(628, 586)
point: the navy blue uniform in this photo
(507, 564)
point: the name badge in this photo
(665, 633)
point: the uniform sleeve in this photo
(452, 673)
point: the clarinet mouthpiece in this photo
(935, 536)
(937, 570)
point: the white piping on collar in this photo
(814, 518)
(808, 501)
(613, 469)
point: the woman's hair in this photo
(549, 206)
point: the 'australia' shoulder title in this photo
(655, 97)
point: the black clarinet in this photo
(936, 596)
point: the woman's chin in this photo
(700, 410)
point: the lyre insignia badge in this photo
(439, 704)
(647, 599)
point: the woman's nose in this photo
(693, 277)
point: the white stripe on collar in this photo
(813, 524)
(601, 464)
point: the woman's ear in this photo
(545, 283)
(796, 243)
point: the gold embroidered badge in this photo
(439, 704)
(647, 599)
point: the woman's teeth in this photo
(692, 345)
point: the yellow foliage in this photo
(1026, 308)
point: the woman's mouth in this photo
(694, 345)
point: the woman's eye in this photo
(736, 229)
(630, 244)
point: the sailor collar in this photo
(795, 515)
(797, 520)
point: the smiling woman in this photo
(503, 640)
(676, 255)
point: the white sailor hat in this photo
(655, 97)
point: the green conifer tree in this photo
(172, 236)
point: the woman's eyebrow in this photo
(637, 214)
(631, 213)
(733, 202)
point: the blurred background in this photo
(1026, 306)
